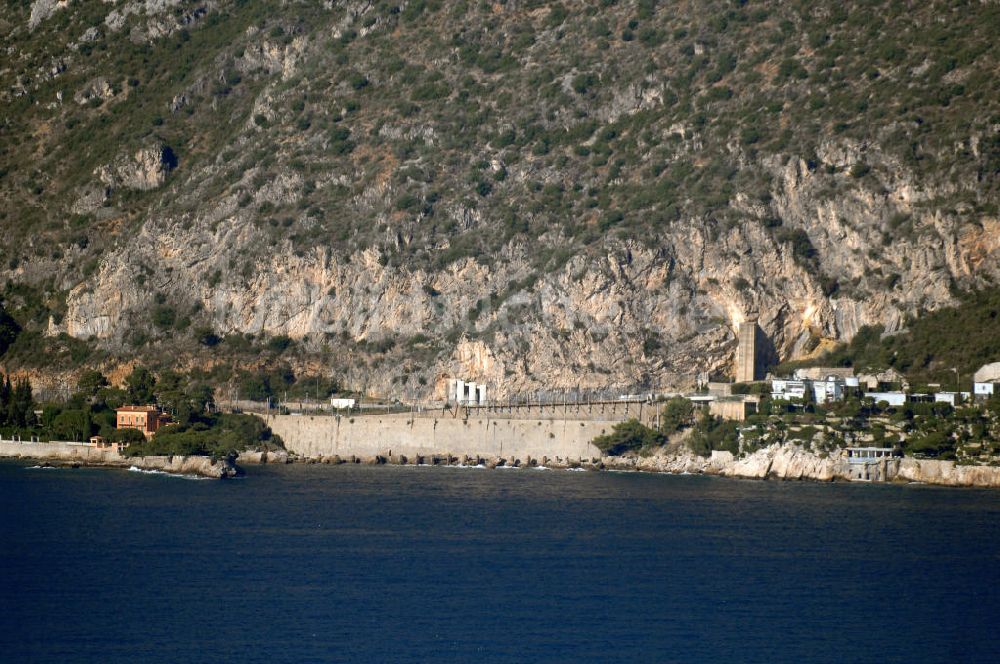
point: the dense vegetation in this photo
(90, 411)
(216, 434)
(969, 432)
(16, 405)
(523, 86)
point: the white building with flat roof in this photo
(985, 390)
(466, 393)
(833, 388)
(891, 398)
(829, 390)
(340, 403)
(784, 390)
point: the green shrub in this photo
(628, 436)
(676, 415)
(714, 433)
(279, 343)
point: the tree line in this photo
(17, 405)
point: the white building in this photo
(833, 388)
(985, 390)
(891, 398)
(783, 389)
(466, 393)
(952, 398)
(340, 404)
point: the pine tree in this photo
(21, 412)
(5, 396)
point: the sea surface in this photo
(403, 564)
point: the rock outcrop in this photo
(43, 9)
(141, 170)
(255, 458)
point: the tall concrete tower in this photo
(746, 351)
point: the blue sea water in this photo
(403, 564)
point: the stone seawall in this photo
(478, 435)
(75, 453)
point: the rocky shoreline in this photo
(777, 462)
(793, 462)
(77, 455)
(781, 462)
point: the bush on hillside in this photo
(676, 415)
(714, 433)
(628, 436)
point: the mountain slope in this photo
(531, 194)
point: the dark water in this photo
(300, 563)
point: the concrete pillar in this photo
(746, 351)
(481, 394)
(459, 390)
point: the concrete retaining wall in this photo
(55, 450)
(369, 435)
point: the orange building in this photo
(147, 419)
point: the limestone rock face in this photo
(42, 9)
(987, 372)
(585, 324)
(99, 89)
(141, 170)
(948, 473)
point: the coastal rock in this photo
(948, 473)
(187, 465)
(253, 458)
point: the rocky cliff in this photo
(528, 194)
(792, 462)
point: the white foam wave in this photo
(47, 467)
(447, 465)
(144, 471)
